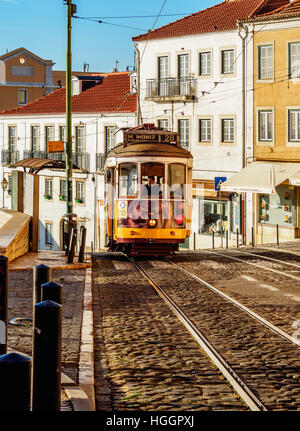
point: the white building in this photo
(192, 81)
(101, 105)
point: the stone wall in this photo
(14, 235)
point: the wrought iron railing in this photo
(9, 158)
(167, 87)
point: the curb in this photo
(68, 266)
(86, 360)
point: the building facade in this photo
(273, 103)
(191, 81)
(99, 110)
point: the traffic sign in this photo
(218, 182)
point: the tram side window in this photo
(128, 180)
(176, 180)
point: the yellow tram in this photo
(148, 192)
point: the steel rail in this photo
(266, 257)
(294, 277)
(251, 313)
(235, 381)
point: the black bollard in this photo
(15, 378)
(82, 244)
(41, 275)
(237, 238)
(277, 235)
(46, 385)
(227, 239)
(252, 234)
(73, 241)
(52, 292)
(213, 240)
(3, 303)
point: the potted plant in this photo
(62, 197)
(78, 201)
(47, 197)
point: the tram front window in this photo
(128, 180)
(152, 180)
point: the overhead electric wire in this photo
(139, 16)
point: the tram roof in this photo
(149, 149)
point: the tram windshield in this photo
(176, 180)
(128, 180)
(152, 179)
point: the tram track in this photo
(235, 381)
(284, 273)
(245, 344)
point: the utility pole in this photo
(71, 9)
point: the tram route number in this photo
(122, 209)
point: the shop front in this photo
(215, 211)
(275, 196)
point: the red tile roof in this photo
(292, 8)
(110, 95)
(220, 17)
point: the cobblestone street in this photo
(144, 358)
(20, 305)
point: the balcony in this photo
(80, 160)
(100, 162)
(171, 89)
(9, 158)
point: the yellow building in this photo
(276, 116)
(272, 126)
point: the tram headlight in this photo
(152, 223)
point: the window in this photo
(265, 125)
(204, 130)
(48, 233)
(22, 97)
(265, 62)
(128, 180)
(205, 63)
(227, 61)
(184, 130)
(49, 135)
(227, 130)
(294, 125)
(110, 138)
(164, 124)
(12, 138)
(62, 190)
(79, 141)
(79, 192)
(183, 73)
(35, 138)
(48, 188)
(62, 133)
(294, 60)
(163, 73)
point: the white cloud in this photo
(9, 1)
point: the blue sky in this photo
(40, 26)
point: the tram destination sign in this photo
(151, 137)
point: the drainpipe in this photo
(138, 83)
(243, 29)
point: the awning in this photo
(261, 177)
(294, 180)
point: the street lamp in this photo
(4, 185)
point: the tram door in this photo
(110, 197)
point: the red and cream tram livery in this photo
(148, 192)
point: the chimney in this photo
(116, 69)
